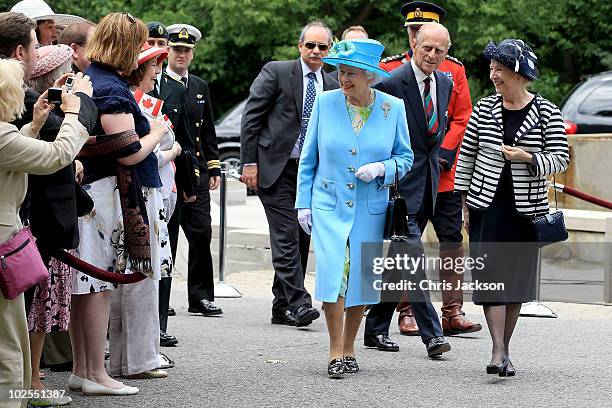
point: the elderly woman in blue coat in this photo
(357, 140)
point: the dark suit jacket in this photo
(272, 117)
(201, 125)
(174, 95)
(402, 84)
(51, 205)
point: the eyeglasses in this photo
(311, 45)
(130, 17)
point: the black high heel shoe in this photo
(335, 369)
(497, 368)
(507, 371)
(350, 365)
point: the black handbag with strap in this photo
(550, 228)
(396, 222)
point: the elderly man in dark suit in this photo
(426, 94)
(273, 129)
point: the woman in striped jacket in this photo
(513, 141)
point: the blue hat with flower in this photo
(516, 55)
(361, 53)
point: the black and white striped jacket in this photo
(481, 161)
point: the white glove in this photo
(305, 219)
(370, 171)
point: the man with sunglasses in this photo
(274, 125)
(446, 218)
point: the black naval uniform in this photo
(190, 107)
(173, 93)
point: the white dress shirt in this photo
(176, 76)
(420, 78)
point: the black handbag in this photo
(550, 228)
(396, 222)
(84, 203)
(187, 173)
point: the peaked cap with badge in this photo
(421, 12)
(183, 35)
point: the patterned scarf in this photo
(135, 220)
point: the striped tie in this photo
(430, 112)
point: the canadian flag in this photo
(148, 104)
(167, 121)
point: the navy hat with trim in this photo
(421, 12)
(516, 55)
(157, 30)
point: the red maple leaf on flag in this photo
(147, 103)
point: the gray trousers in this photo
(134, 328)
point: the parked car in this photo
(228, 136)
(588, 106)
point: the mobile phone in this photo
(70, 82)
(54, 96)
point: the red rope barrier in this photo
(583, 196)
(95, 272)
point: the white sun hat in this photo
(38, 10)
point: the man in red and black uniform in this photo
(447, 213)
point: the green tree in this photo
(572, 38)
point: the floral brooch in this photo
(386, 107)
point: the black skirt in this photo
(504, 242)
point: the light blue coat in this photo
(344, 207)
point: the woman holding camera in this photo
(22, 153)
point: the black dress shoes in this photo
(171, 311)
(380, 341)
(167, 340)
(503, 369)
(436, 346)
(287, 318)
(305, 314)
(206, 307)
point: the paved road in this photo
(239, 359)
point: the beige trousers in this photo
(15, 366)
(134, 328)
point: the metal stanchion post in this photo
(535, 308)
(223, 289)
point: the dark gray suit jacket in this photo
(402, 84)
(272, 117)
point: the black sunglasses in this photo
(311, 45)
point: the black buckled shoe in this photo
(171, 311)
(206, 307)
(335, 369)
(287, 318)
(436, 346)
(380, 341)
(167, 340)
(305, 314)
(350, 365)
